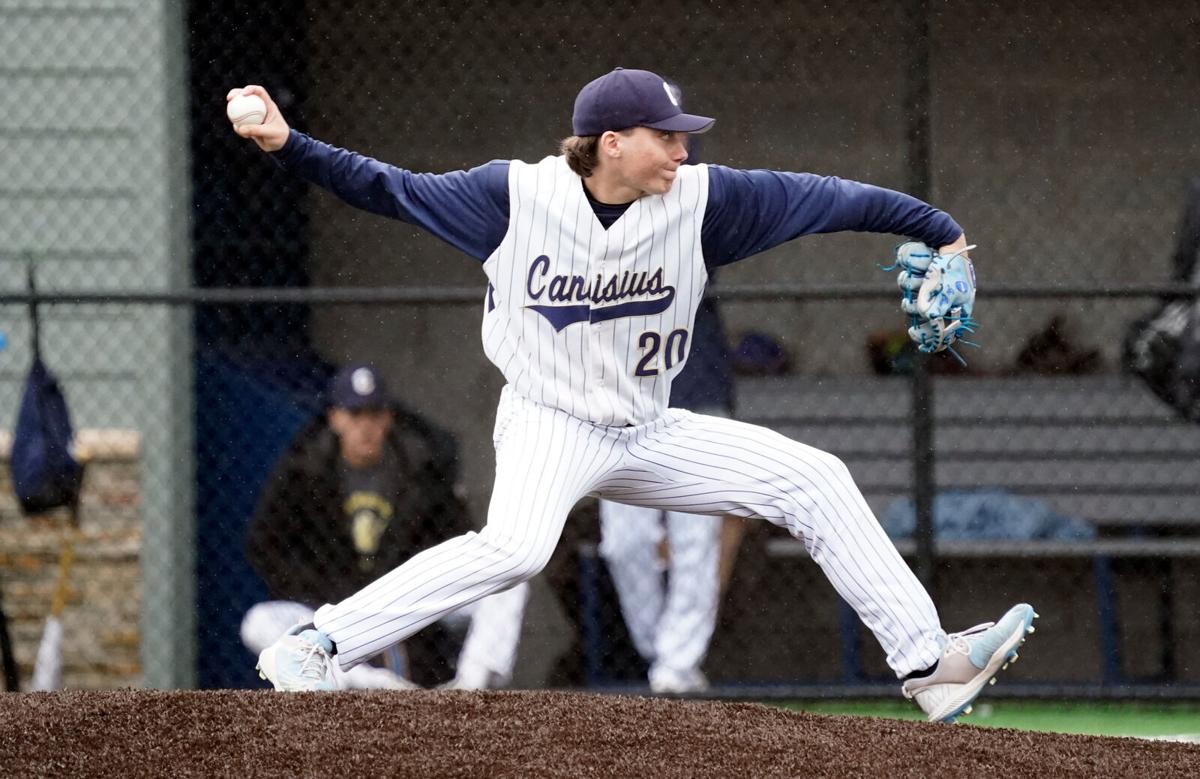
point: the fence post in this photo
(923, 466)
(916, 108)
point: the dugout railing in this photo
(1121, 461)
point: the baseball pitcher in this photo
(596, 260)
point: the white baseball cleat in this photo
(969, 663)
(299, 662)
(473, 676)
(674, 681)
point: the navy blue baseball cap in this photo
(633, 98)
(357, 387)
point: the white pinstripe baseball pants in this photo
(546, 460)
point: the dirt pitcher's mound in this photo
(520, 734)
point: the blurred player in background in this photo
(597, 260)
(358, 491)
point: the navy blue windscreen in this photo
(255, 376)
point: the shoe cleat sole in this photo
(1013, 655)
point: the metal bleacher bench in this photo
(1100, 448)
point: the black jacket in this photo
(299, 542)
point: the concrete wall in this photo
(1062, 139)
(93, 190)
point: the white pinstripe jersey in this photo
(591, 321)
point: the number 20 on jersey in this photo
(673, 350)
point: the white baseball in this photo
(246, 109)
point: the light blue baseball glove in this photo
(938, 294)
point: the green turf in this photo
(1142, 719)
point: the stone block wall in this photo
(103, 604)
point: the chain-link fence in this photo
(1063, 148)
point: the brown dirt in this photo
(521, 734)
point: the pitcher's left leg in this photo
(706, 465)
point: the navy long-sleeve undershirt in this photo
(749, 211)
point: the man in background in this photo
(362, 488)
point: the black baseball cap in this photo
(357, 387)
(633, 98)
